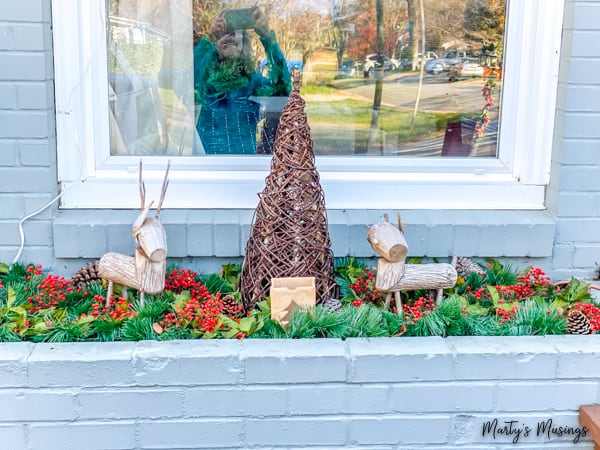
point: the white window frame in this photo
(516, 179)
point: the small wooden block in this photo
(589, 417)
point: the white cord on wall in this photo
(77, 147)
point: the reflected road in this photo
(437, 94)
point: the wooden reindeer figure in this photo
(146, 270)
(394, 275)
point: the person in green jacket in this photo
(225, 78)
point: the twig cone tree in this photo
(289, 235)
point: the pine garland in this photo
(463, 312)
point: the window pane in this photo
(151, 95)
(380, 77)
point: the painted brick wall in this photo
(385, 393)
(574, 193)
(27, 130)
(563, 240)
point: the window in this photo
(94, 89)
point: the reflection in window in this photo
(381, 77)
(150, 76)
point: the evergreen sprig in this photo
(138, 328)
(533, 318)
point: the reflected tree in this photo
(299, 27)
(412, 32)
(484, 20)
(204, 13)
(374, 133)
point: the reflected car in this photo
(434, 66)
(467, 68)
(350, 67)
(372, 62)
(428, 57)
(438, 65)
(406, 64)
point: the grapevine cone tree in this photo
(289, 235)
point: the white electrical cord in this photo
(77, 147)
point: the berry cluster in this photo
(514, 292)
(591, 311)
(364, 287)
(505, 315)
(196, 314)
(479, 294)
(179, 280)
(534, 276)
(50, 292)
(486, 92)
(529, 284)
(420, 308)
(33, 270)
(120, 309)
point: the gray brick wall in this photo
(562, 240)
(572, 197)
(27, 130)
(382, 393)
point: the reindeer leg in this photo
(142, 299)
(439, 296)
(399, 309)
(388, 300)
(109, 293)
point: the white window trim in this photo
(515, 180)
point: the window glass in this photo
(150, 76)
(383, 77)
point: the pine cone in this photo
(333, 305)
(464, 266)
(86, 274)
(233, 308)
(578, 323)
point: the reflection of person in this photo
(224, 79)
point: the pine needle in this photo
(214, 283)
(531, 318)
(155, 308)
(301, 324)
(107, 330)
(362, 321)
(138, 329)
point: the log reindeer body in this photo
(394, 276)
(145, 271)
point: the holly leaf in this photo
(477, 310)
(196, 333)
(85, 320)
(209, 335)
(229, 333)
(228, 321)
(181, 298)
(494, 294)
(39, 328)
(12, 297)
(576, 291)
(559, 304)
(505, 306)
(246, 324)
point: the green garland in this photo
(40, 307)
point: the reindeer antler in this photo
(163, 191)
